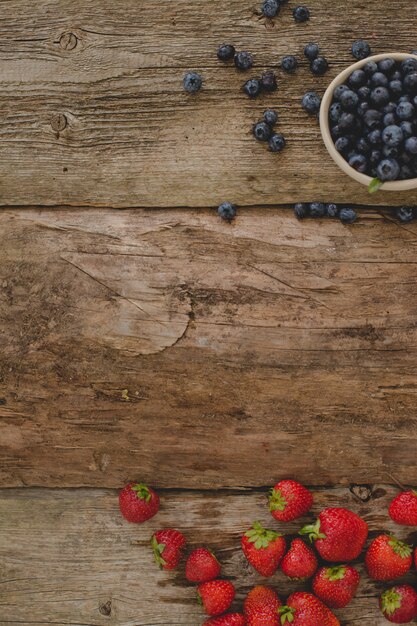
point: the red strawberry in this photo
(263, 548)
(399, 604)
(336, 586)
(216, 596)
(300, 561)
(339, 534)
(138, 502)
(231, 619)
(168, 546)
(202, 566)
(289, 500)
(387, 558)
(261, 607)
(304, 609)
(403, 509)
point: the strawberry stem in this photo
(336, 573)
(399, 547)
(286, 614)
(277, 502)
(390, 601)
(142, 492)
(158, 549)
(261, 536)
(312, 531)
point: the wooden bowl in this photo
(397, 185)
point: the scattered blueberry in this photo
(243, 60)
(271, 117)
(405, 214)
(252, 88)
(269, 81)
(270, 8)
(317, 209)
(289, 64)
(226, 52)
(227, 211)
(311, 102)
(262, 131)
(361, 49)
(277, 142)
(332, 210)
(319, 66)
(301, 14)
(192, 82)
(300, 211)
(311, 51)
(347, 216)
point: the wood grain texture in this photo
(92, 109)
(68, 557)
(176, 348)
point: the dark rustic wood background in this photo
(159, 343)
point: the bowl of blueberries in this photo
(368, 119)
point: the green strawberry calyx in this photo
(158, 549)
(313, 531)
(335, 573)
(399, 547)
(414, 492)
(390, 601)
(286, 614)
(142, 492)
(277, 502)
(261, 537)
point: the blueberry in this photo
(319, 66)
(391, 107)
(396, 75)
(415, 101)
(389, 118)
(335, 111)
(243, 60)
(404, 98)
(405, 214)
(262, 131)
(342, 144)
(349, 100)
(289, 64)
(380, 96)
(301, 14)
(392, 136)
(379, 80)
(269, 81)
(357, 79)
(364, 93)
(390, 152)
(348, 216)
(270, 8)
(372, 119)
(375, 157)
(252, 88)
(362, 145)
(396, 87)
(407, 129)
(375, 137)
(332, 210)
(192, 82)
(411, 145)
(311, 51)
(336, 131)
(226, 52)
(387, 66)
(388, 169)
(405, 157)
(361, 49)
(277, 142)
(408, 66)
(406, 172)
(347, 120)
(227, 211)
(363, 107)
(405, 111)
(317, 209)
(311, 102)
(339, 90)
(370, 68)
(410, 83)
(270, 117)
(301, 211)
(359, 162)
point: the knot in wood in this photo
(59, 122)
(68, 41)
(362, 492)
(105, 609)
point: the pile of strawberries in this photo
(338, 536)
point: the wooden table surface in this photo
(162, 344)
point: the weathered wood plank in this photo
(92, 110)
(68, 557)
(168, 343)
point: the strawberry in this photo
(304, 609)
(263, 548)
(336, 586)
(289, 500)
(300, 562)
(202, 566)
(138, 503)
(261, 607)
(216, 596)
(399, 604)
(403, 509)
(168, 546)
(231, 619)
(339, 534)
(388, 558)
